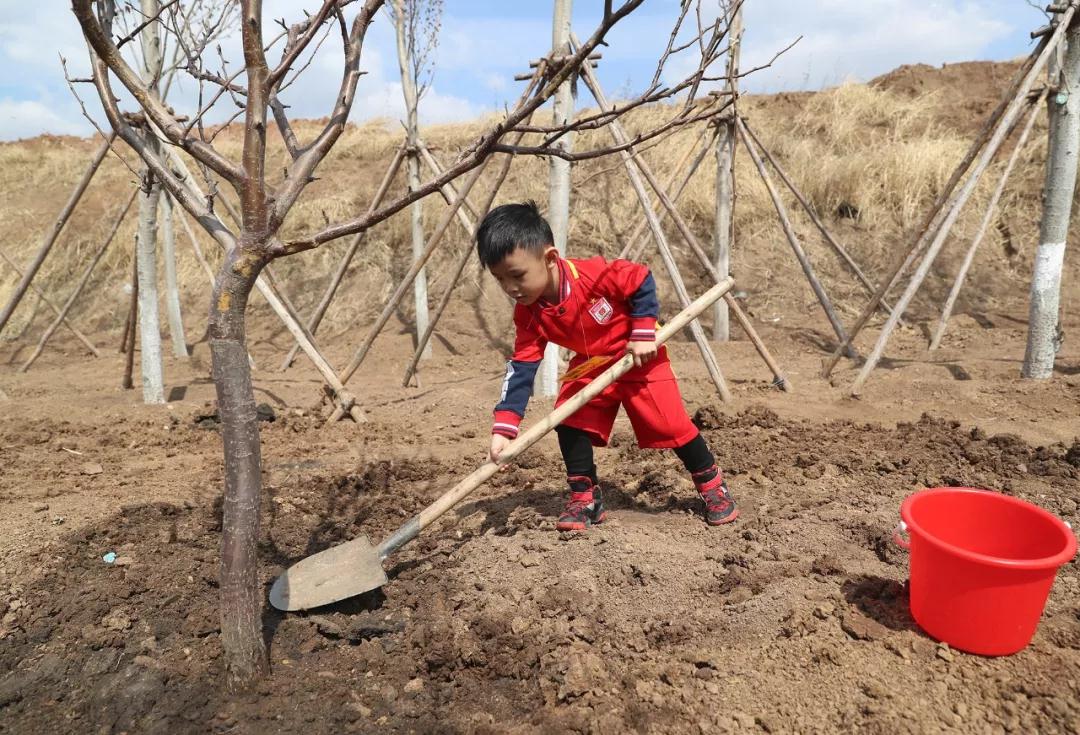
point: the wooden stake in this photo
(403, 286)
(343, 265)
(634, 170)
(991, 209)
(53, 307)
(346, 401)
(132, 323)
(80, 286)
(779, 379)
(1012, 112)
(793, 240)
(809, 209)
(931, 222)
(54, 233)
(463, 259)
(639, 237)
(467, 214)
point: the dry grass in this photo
(856, 147)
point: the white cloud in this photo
(27, 118)
(856, 39)
(478, 55)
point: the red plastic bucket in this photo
(982, 565)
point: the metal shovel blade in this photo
(341, 571)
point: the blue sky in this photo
(483, 44)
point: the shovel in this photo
(355, 567)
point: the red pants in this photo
(652, 401)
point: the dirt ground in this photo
(792, 619)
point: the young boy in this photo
(600, 310)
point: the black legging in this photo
(577, 453)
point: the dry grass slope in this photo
(870, 158)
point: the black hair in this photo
(511, 226)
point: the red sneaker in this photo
(719, 504)
(584, 508)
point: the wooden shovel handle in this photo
(456, 494)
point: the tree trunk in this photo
(406, 63)
(1061, 164)
(149, 326)
(149, 330)
(420, 285)
(241, 601)
(723, 230)
(558, 213)
(172, 285)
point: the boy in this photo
(600, 310)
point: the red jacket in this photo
(603, 305)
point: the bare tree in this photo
(558, 212)
(266, 200)
(416, 26)
(1044, 330)
(723, 227)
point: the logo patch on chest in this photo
(601, 310)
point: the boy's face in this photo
(526, 275)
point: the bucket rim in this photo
(1049, 562)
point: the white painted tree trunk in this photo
(723, 230)
(1061, 164)
(146, 255)
(172, 284)
(558, 213)
(406, 64)
(146, 247)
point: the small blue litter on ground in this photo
(109, 558)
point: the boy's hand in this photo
(642, 352)
(498, 444)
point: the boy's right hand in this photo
(498, 444)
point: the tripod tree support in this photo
(399, 293)
(1013, 111)
(632, 165)
(54, 232)
(991, 210)
(346, 259)
(636, 164)
(85, 279)
(463, 259)
(793, 240)
(813, 215)
(931, 222)
(52, 307)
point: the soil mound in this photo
(792, 619)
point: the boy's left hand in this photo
(642, 352)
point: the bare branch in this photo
(134, 33)
(300, 35)
(298, 174)
(86, 114)
(477, 151)
(557, 151)
(163, 118)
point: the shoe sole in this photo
(723, 521)
(575, 526)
